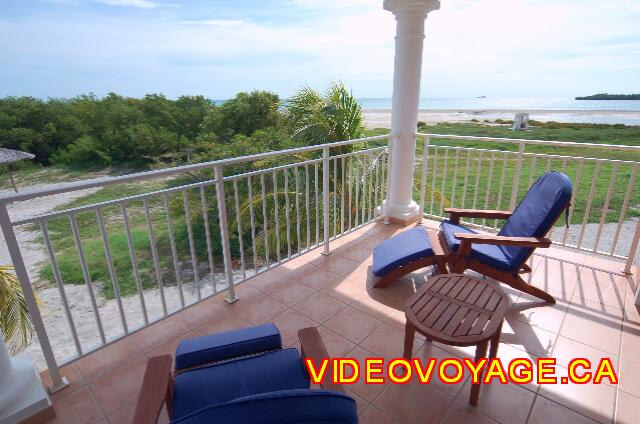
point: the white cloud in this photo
(215, 22)
(143, 4)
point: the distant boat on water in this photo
(481, 97)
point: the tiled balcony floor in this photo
(594, 318)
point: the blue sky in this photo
(498, 48)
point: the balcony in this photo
(201, 248)
(595, 317)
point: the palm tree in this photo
(15, 322)
(317, 119)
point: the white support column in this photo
(21, 391)
(410, 17)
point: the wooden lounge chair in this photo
(503, 256)
(242, 376)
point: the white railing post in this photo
(387, 202)
(516, 176)
(224, 233)
(423, 176)
(632, 251)
(325, 198)
(58, 382)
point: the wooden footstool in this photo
(457, 310)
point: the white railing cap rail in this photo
(534, 142)
(103, 181)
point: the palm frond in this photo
(15, 322)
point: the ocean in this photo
(525, 103)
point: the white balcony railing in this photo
(225, 221)
(605, 191)
(240, 217)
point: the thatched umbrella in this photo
(9, 156)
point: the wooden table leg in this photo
(495, 342)
(481, 352)
(409, 334)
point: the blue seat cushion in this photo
(222, 382)
(486, 253)
(400, 250)
(289, 406)
(228, 344)
(546, 199)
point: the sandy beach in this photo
(381, 118)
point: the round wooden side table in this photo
(457, 310)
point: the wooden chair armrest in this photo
(155, 391)
(313, 348)
(435, 243)
(455, 214)
(502, 240)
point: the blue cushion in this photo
(547, 198)
(222, 382)
(400, 250)
(290, 406)
(228, 344)
(486, 253)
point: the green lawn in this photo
(444, 189)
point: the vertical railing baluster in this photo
(455, 179)
(276, 214)
(60, 285)
(502, 177)
(335, 197)
(112, 271)
(325, 198)
(476, 187)
(574, 197)
(342, 196)
(192, 246)
(444, 181)
(363, 209)
(423, 174)
(253, 224)
(631, 256)
(532, 172)
(489, 185)
(350, 184)
(236, 199)
(224, 232)
(387, 206)
(207, 234)
(317, 204)
(58, 382)
(87, 276)
(265, 225)
(623, 210)
(307, 195)
(357, 191)
(298, 235)
(466, 177)
(154, 255)
(605, 207)
(433, 179)
(587, 210)
(134, 263)
(516, 176)
(286, 211)
(174, 251)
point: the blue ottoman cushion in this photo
(400, 250)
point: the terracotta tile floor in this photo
(594, 317)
